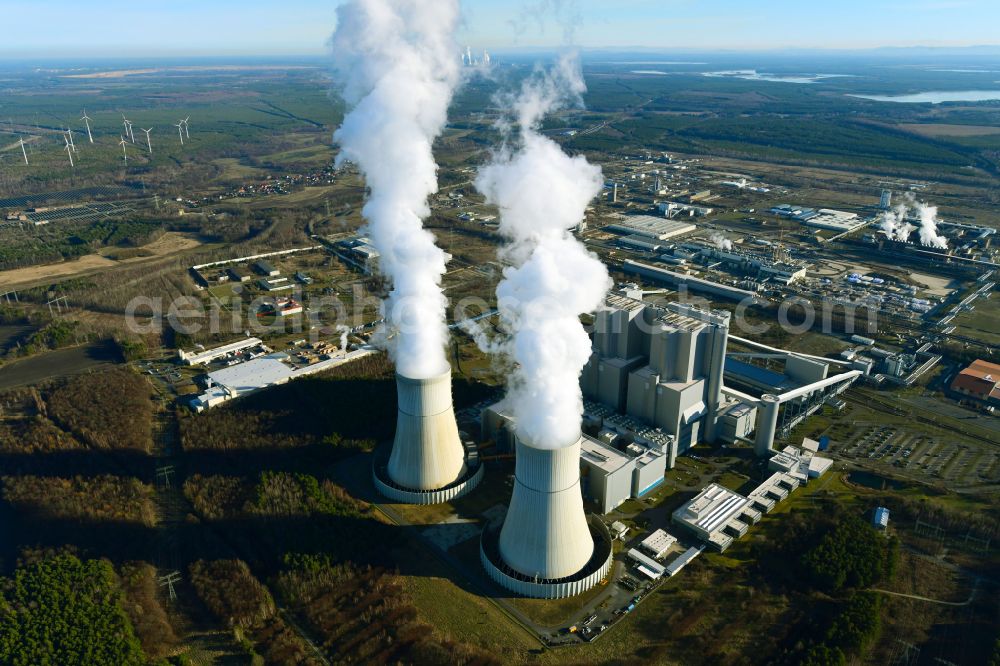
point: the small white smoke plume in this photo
(343, 337)
(721, 242)
(542, 193)
(399, 67)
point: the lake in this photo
(936, 97)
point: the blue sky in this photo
(257, 27)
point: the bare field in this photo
(233, 170)
(950, 130)
(169, 243)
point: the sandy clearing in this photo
(170, 243)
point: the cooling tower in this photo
(545, 534)
(427, 453)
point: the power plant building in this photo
(660, 365)
(609, 475)
(714, 515)
(658, 544)
(612, 476)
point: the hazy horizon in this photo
(302, 27)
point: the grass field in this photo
(982, 323)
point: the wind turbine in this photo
(86, 120)
(69, 151)
(180, 131)
(149, 144)
(128, 128)
(69, 133)
(23, 151)
(124, 143)
(185, 121)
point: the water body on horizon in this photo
(936, 97)
(754, 75)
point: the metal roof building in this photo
(683, 560)
(647, 565)
(209, 355)
(880, 520)
(658, 543)
(711, 510)
(647, 226)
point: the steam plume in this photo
(896, 227)
(894, 224)
(542, 193)
(928, 227)
(721, 242)
(399, 68)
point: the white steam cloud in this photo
(542, 193)
(721, 242)
(928, 227)
(399, 68)
(895, 226)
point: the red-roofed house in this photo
(981, 381)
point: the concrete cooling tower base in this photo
(472, 474)
(428, 463)
(547, 547)
(592, 573)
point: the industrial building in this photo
(980, 381)
(241, 379)
(660, 365)
(611, 476)
(677, 280)
(775, 266)
(206, 356)
(646, 565)
(824, 218)
(801, 464)
(265, 268)
(275, 284)
(737, 422)
(718, 515)
(674, 209)
(664, 370)
(649, 227)
(683, 560)
(658, 544)
(613, 468)
(714, 515)
(359, 252)
(238, 274)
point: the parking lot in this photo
(936, 457)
